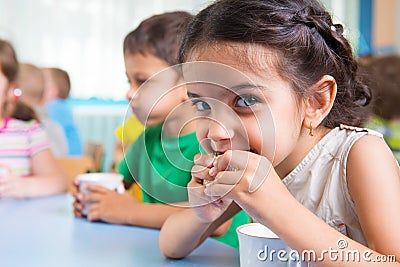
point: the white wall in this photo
(82, 36)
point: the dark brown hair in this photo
(382, 74)
(301, 33)
(9, 67)
(159, 35)
(61, 79)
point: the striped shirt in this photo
(19, 142)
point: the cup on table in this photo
(259, 246)
(112, 181)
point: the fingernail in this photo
(212, 171)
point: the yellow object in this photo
(136, 192)
(129, 131)
(127, 134)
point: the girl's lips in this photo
(218, 153)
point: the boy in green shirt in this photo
(149, 51)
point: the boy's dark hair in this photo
(301, 33)
(382, 74)
(61, 79)
(9, 67)
(159, 35)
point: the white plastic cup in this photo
(112, 181)
(259, 246)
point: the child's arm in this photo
(47, 179)
(187, 231)
(112, 207)
(374, 183)
(191, 227)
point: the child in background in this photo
(383, 77)
(148, 50)
(29, 168)
(57, 89)
(285, 154)
(31, 83)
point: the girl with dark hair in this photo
(275, 85)
(28, 167)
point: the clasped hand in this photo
(233, 176)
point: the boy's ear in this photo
(319, 104)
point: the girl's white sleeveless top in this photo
(319, 182)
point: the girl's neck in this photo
(305, 145)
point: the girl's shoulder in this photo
(370, 154)
(355, 129)
(352, 138)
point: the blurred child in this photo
(285, 153)
(31, 83)
(28, 166)
(383, 77)
(161, 158)
(57, 89)
(149, 49)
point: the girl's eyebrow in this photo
(247, 86)
(235, 89)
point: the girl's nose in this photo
(218, 131)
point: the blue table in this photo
(43, 232)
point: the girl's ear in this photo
(319, 104)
